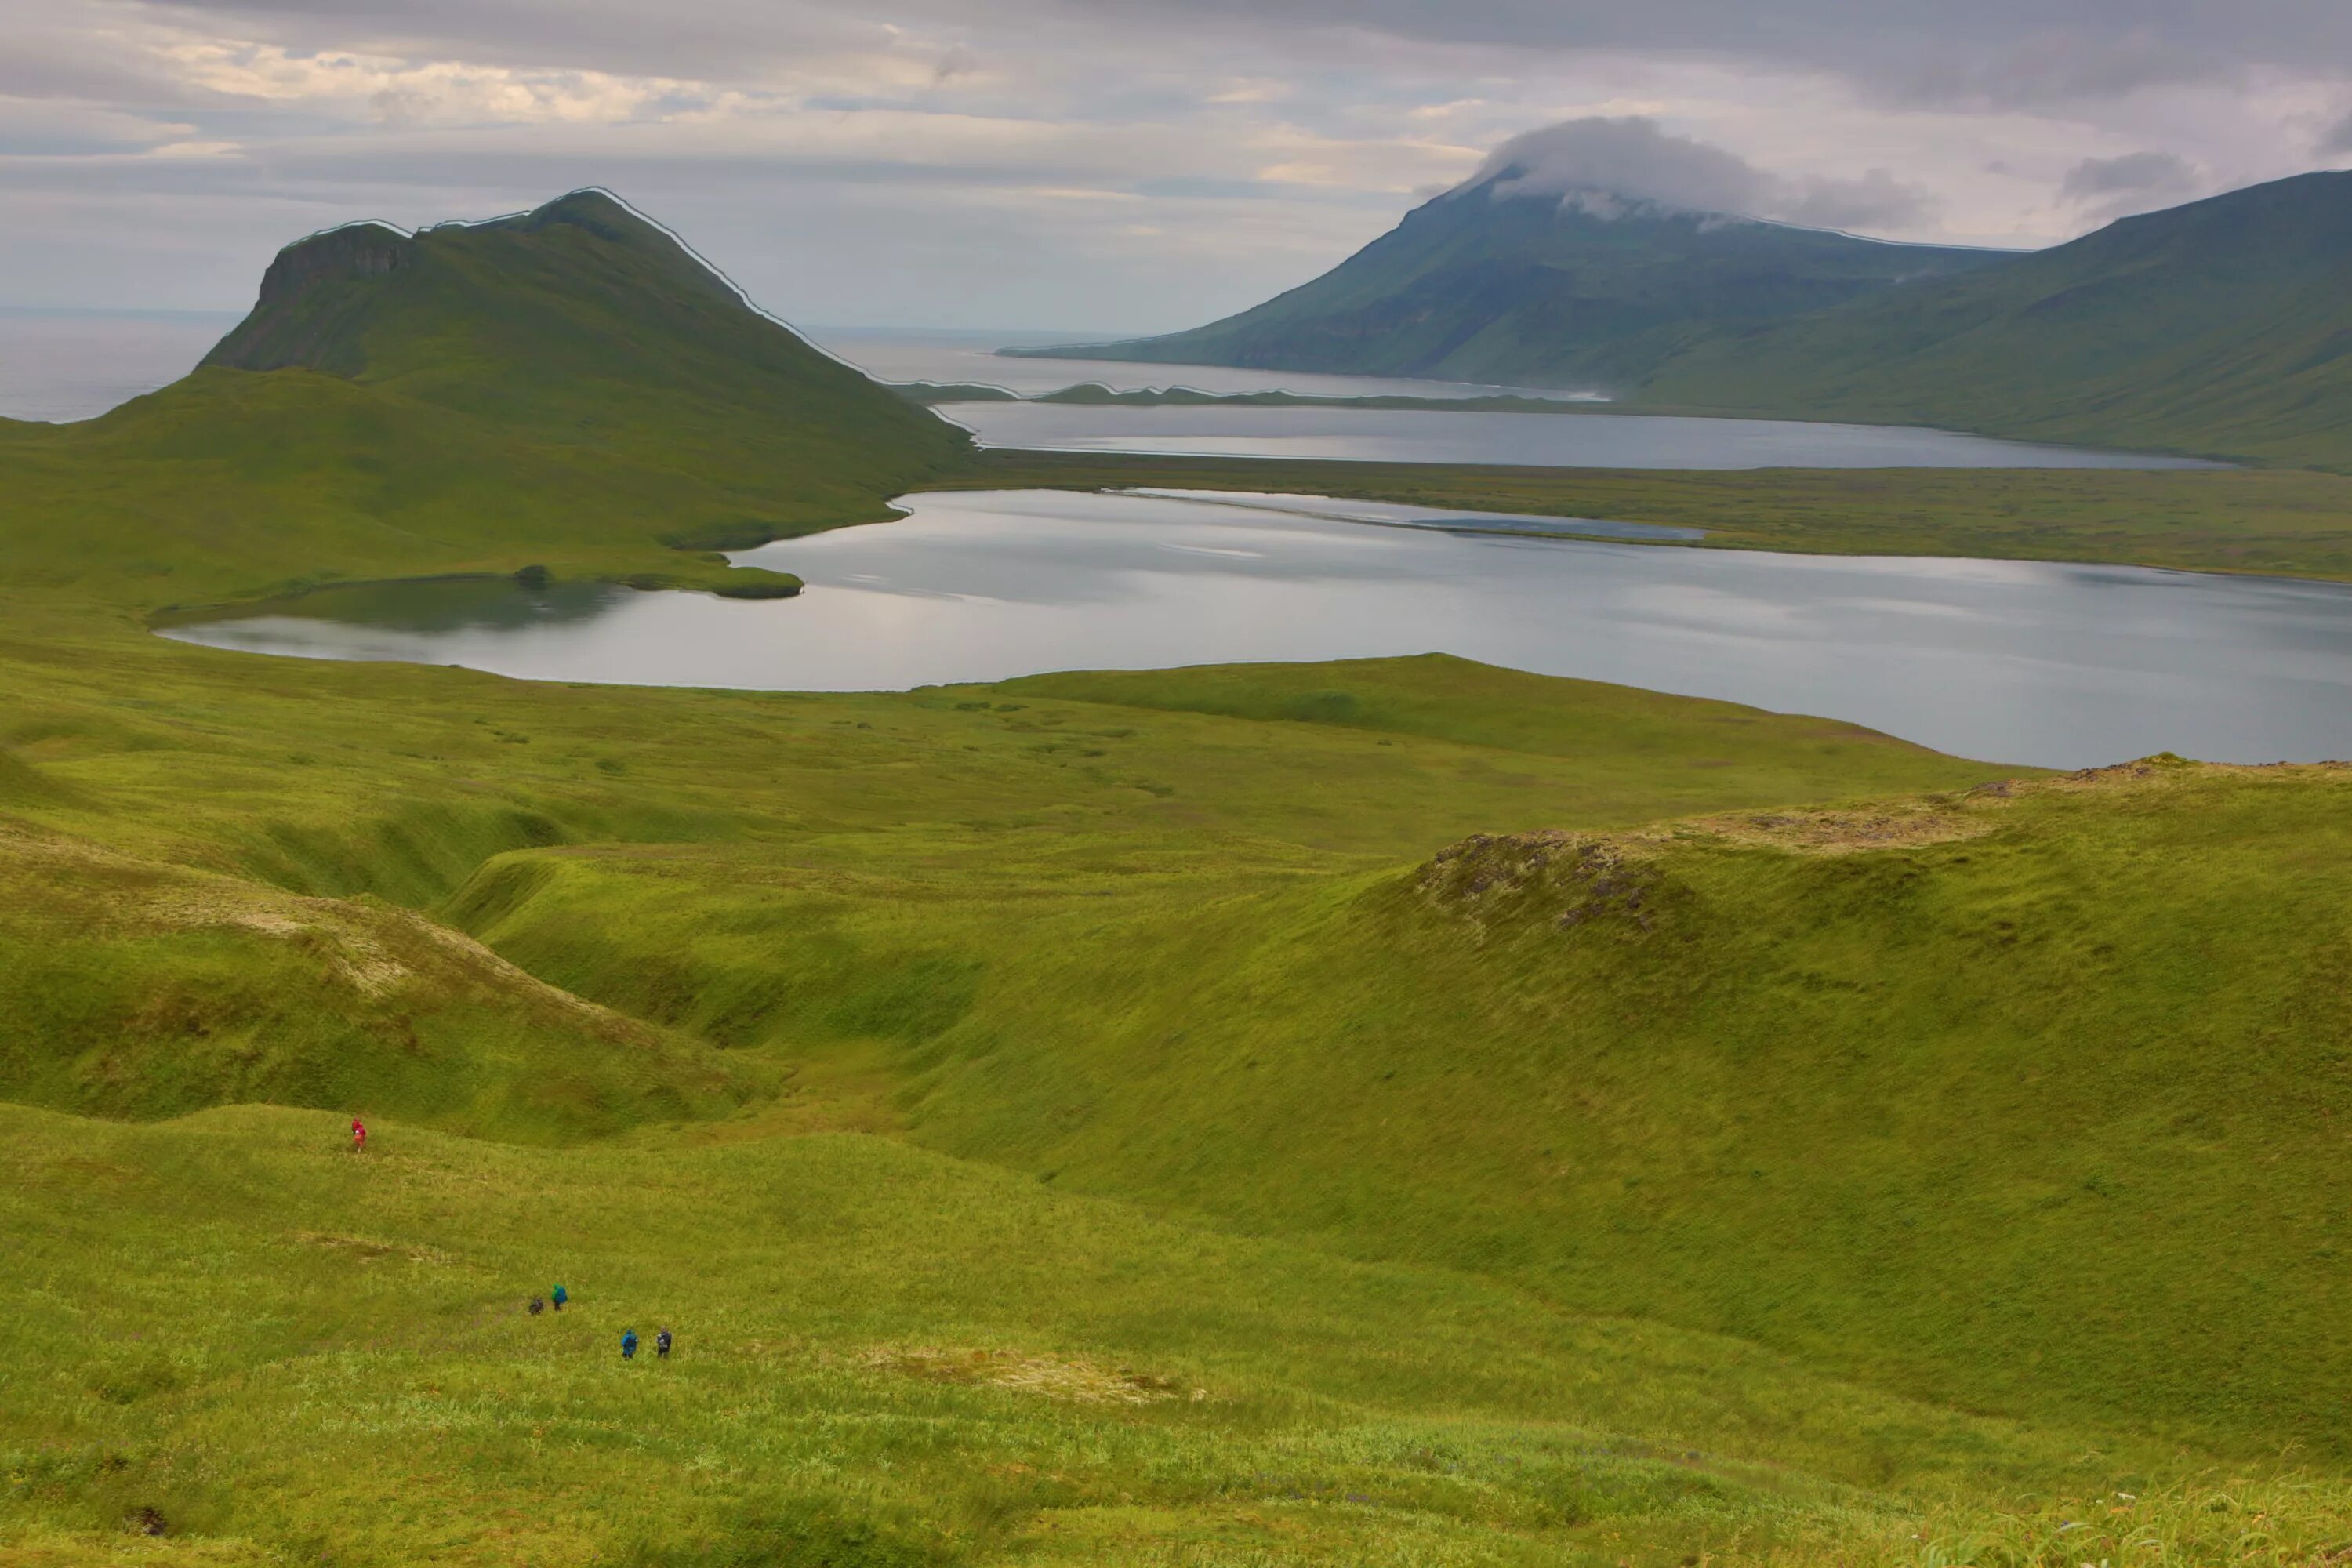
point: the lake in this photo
(954, 358)
(1594, 440)
(2026, 662)
(1402, 436)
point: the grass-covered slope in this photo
(2223, 328)
(2026, 1097)
(570, 386)
(1483, 284)
(2034, 1099)
(144, 989)
(208, 900)
(229, 1332)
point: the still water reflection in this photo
(1539, 440)
(2018, 661)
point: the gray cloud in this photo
(1875, 202)
(1990, 51)
(1599, 159)
(2162, 172)
(1115, 164)
(2052, 65)
(2131, 182)
(1627, 156)
(2012, 52)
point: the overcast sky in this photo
(1102, 164)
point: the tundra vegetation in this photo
(1397, 1111)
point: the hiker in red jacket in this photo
(359, 1136)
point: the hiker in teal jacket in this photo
(629, 1344)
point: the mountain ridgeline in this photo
(2223, 328)
(579, 315)
(1589, 290)
(570, 387)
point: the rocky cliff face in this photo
(355, 250)
(313, 298)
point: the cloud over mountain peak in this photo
(1606, 166)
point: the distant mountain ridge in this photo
(1586, 289)
(2222, 328)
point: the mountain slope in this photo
(138, 988)
(569, 385)
(1917, 1089)
(2223, 327)
(1586, 290)
(579, 306)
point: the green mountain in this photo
(579, 306)
(1589, 290)
(2223, 327)
(570, 383)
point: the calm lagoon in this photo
(2016, 661)
(1586, 440)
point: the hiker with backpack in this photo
(558, 1296)
(661, 1345)
(359, 1136)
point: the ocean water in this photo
(64, 365)
(953, 358)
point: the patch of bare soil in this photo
(2166, 768)
(1056, 1377)
(1574, 879)
(367, 1251)
(1843, 830)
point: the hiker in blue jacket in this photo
(558, 1296)
(629, 1344)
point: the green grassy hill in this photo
(1484, 285)
(229, 1330)
(2221, 328)
(1908, 1087)
(571, 385)
(144, 989)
